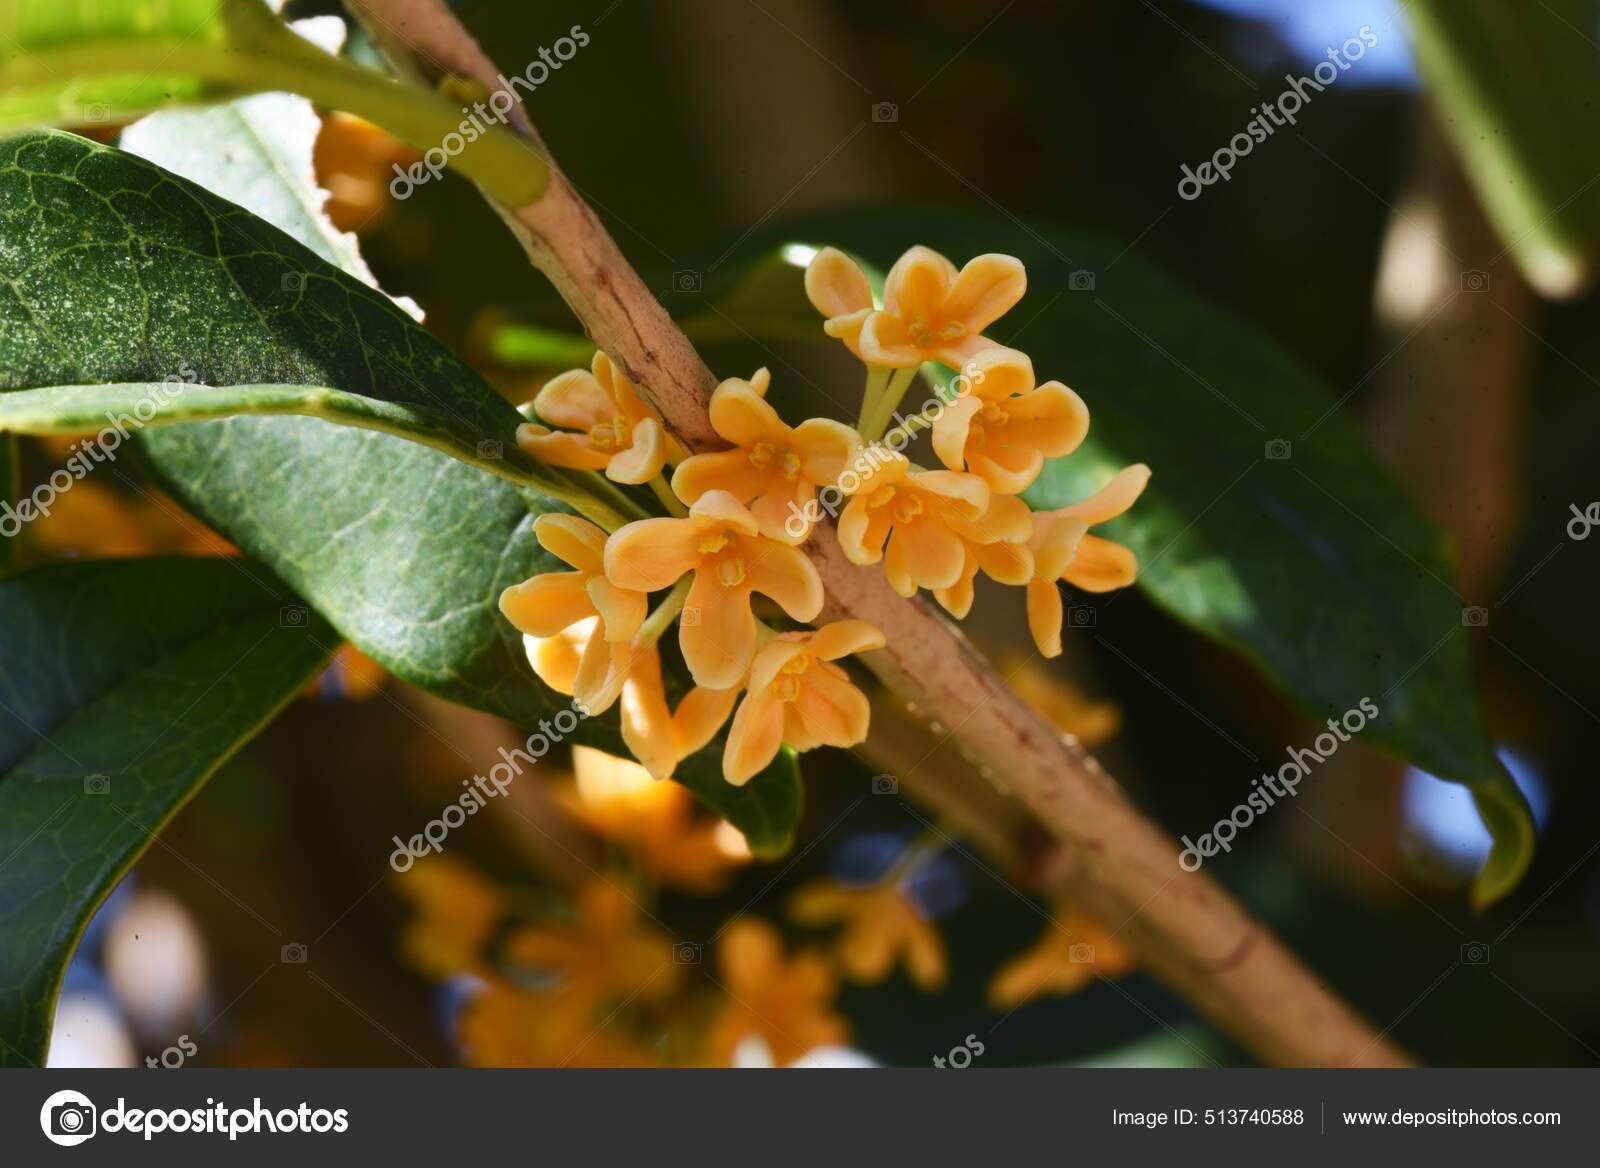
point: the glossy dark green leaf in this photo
(138, 276)
(1315, 565)
(123, 685)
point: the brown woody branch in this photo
(1118, 863)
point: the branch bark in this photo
(1184, 927)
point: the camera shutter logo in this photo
(68, 1118)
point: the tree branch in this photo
(1118, 863)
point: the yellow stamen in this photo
(953, 331)
(761, 455)
(785, 689)
(730, 571)
(713, 543)
(791, 466)
(881, 496)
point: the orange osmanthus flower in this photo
(457, 913)
(1004, 429)
(783, 1001)
(721, 543)
(1074, 950)
(610, 950)
(773, 468)
(1063, 550)
(921, 523)
(659, 736)
(881, 925)
(931, 312)
(604, 425)
(654, 821)
(554, 609)
(800, 697)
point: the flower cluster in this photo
(738, 518)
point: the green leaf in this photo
(1506, 80)
(137, 276)
(1317, 566)
(124, 684)
(75, 61)
(10, 487)
(81, 409)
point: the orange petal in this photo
(1052, 418)
(781, 512)
(862, 531)
(1009, 470)
(957, 599)
(1044, 616)
(1055, 543)
(601, 671)
(1000, 372)
(1007, 519)
(1101, 566)
(572, 539)
(646, 720)
(1005, 563)
(700, 715)
(825, 448)
(917, 284)
(842, 638)
(895, 569)
(753, 739)
(848, 328)
(833, 710)
(645, 456)
(559, 448)
(951, 431)
(574, 400)
(621, 610)
(1112, 499)
(652, 553)
(772, 657)
(836, 285)
(719, 639)
(963, 496)
(934, 555)
(787, 576)
(555, 659)
(987, 288)
(725, 470)
(722, 508)
(744, 417)
(546, 604)
(883, 341)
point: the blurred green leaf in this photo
(138, 275)
(10, 488)
(530, 345)
(72, 63)
(124, 684)
(1268, 524)
(1514, 87)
